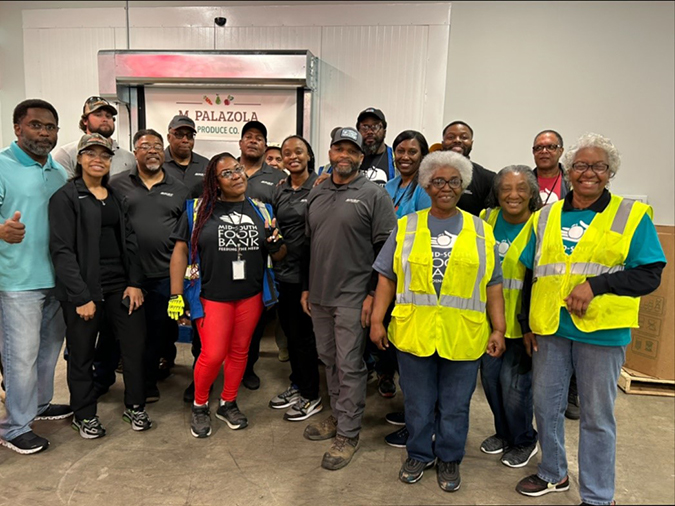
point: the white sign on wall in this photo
(221, 113)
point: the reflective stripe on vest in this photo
(452, 301)
(580, 268)
(512, 284)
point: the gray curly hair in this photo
(592, 140)
(438, 159)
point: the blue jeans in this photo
(597, 370)
(507, 383)
(31, 334)
(437, 397)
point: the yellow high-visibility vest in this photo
(455, 324)
(513, 272)
(602, 249)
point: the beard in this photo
(346, 171)
(372, 149)
(37, 147)
(104, 130)
(153, 166)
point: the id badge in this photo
(238, 270)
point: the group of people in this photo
(530, 278)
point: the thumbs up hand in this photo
(13, 231)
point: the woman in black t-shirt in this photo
(229, 238)
(98, 278)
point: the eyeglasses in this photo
(439, 183)
(104, 155)
(37, 127)
(598, 168)
(179, 135)
(229, 174)
(547, 147)
(148, 147)
(371, 128)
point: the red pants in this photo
(225, 332)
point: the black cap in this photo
(180, 121)
(347, 134)
(257, 125)
(371, 111)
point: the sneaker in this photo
(340, 452)
(534, 486)
(318, 431)
(27, 443)
(303, 409)
(200, 425)
(229, 413)
(412, 470)
(151, 395)
(447, 474)
(283, 355)
(395, 418)
(251, 381)
(386, 386)
(286, 398)
(138, 419)
(89, 429)
(55, 412)
(397, 439)
(493, 445)
(519, 456)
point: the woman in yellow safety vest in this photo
(593, 255)
(443, 267)
(507, 380)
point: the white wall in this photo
(516, 68)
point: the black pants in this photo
(254, 349)
(81, 342)
(386, 362)
(162, 331)
(301, 342)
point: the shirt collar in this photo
(169, 158)
(356, 183)
(24, 158)
(307, 185)
(597, 207)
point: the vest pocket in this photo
(419, 274)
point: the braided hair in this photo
(208, 199)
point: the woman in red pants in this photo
(228, 239)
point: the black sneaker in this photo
(138, 419)
(395, 418)
(386, 386)
(534, 486)
(573, 412)
(448, 476)
(303, 409)
(286, 398)
(397, 439)
(27, 443)
(55, 412)
(251, 381)
(493, 445)
(189, 394)
(412, 470)
(89, 429)
(229, 413)
(519, 456)
(200, 426)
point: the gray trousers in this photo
(340, 343)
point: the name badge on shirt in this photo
(238, 270)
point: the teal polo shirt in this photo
(27, 186)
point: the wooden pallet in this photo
(633, 382)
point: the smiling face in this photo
(345, 158)
(408, 156)
(294, 156)
(445, 199)
(588, 184)
(546, 156)
(95, 161)
(514, 195)
(232, 179)
(149, 153)
(273, 158)
(458, 138)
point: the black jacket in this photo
(75, 234)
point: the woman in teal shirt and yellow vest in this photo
(593, 255)
(507, 380)
(443, 267)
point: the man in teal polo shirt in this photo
(31, 324)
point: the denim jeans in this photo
(507, 383)
(31, 334)
(437, 398)
(597, 370)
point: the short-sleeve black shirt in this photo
(474, 198)
(261, 185)
(190, 175)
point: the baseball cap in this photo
(95, 103)
(181, 120)
(257, 125)
(89, 140)
(347, 134)
(371, 111)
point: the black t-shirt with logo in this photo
(376, 168)
(233, 227)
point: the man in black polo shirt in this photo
(180, 161)
(458, 137)
(155, 201)
(348, 220)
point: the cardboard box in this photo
(652, 350)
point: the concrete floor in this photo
(270, 463)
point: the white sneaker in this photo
(303, 409)
(286, 398)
